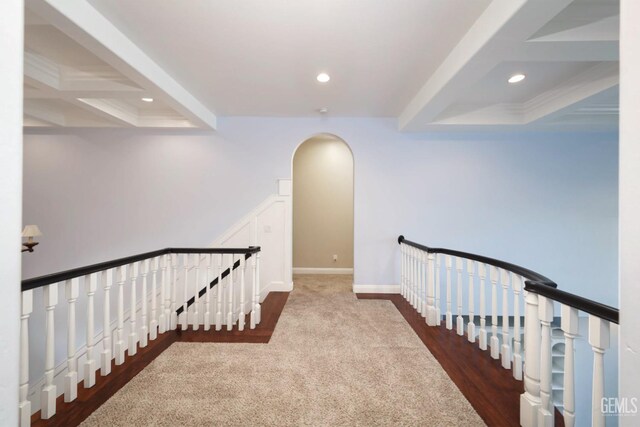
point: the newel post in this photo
(530, 400)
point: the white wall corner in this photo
(11, 72)
(629, 206)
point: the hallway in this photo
(333, 360)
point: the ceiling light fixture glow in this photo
(323, 77)
(147, 99)
(516, 78)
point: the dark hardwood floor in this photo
(491, 389)
(271, 309)
(90, 399)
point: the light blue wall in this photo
(547, 201)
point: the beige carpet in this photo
(333, 360)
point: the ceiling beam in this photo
(44, 114)
(83, 23)
(45, 76)
(567, 97)
(504, 24)
(40, 72)
(566, 51)
(67, 94)
(110, 110)
(573, 93)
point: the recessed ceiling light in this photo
(147, 99)
(323, 77)
(516, 78)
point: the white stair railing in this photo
(539, 296)
(134, 326)
(601, 317)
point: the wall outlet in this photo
(335, 258)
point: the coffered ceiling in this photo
(432, 64)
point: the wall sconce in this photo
(30, 231)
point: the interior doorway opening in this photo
(323, 206)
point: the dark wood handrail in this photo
(536, 283)
(524, 272)
(583, 304)
(40, 281)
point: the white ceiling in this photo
(432, 64)
(261, 57)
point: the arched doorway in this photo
(323, 206)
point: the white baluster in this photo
(494, 342)
(517, 348)
(431, 286)
(412, 277)
(71, 378)
(252, 322)
(196, 295)
(91, 285)
(459, 319)
(174, 290)
(482, 336)
(530, 400)
(133, 312)
(258, 308)
(417, 279)
(106, 277)
(167, 294)
(153, 322)
(405, 267)
(207, 300)
(230, 297)
(423, 283)
(185, 307)
(599, 341)
(546, 410)
(505, 350)
(402, 270)
(471, 326)
(119, 344)
(448, 315)
(241, 316)
(569, 325)
(144, 316)
(219, 298)
(408, 273)
(162, 318)
(437, 285)
(24, 405)
(48, 395)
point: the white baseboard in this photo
(376, 289)
(279, 287)
(306, 270)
